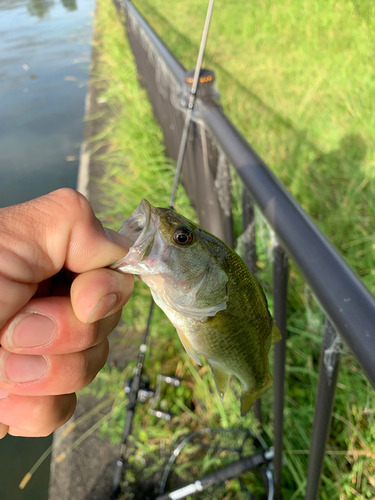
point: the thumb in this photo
(56, 230)
(41, 236)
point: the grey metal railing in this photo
(213, 140)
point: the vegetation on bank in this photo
(296, 80)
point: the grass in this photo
(296, 79)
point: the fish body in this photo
(216, 305)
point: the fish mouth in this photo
(137, 227)
(140, 228)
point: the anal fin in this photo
(221, 378)
(188, 347)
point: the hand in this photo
(53, 344)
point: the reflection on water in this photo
(41, 8)
(44, 60)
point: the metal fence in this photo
(213, 143)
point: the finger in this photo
(44, 413)
(13, 295)
(3, 430)
(3, 427)
(99, 293)
(50, 374)
(49, 326)
(15, 432)
(41, 236)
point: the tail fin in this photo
(248, 396)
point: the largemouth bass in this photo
(216, 305)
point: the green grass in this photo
(297, 79)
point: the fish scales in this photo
(217, 306)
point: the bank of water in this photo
(44, 62)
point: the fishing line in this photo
(135, 383)
(193, 92)
(57, 441)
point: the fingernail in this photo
(103, 308)
(3, 394)
(19, 368)
(31, 330)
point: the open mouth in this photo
(138, 224)
(140, 228)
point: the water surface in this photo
(44, 60)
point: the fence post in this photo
(280, 290)
(323, 412)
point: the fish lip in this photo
(140, 228)
(137, 226)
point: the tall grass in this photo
(295, 77)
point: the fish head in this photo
(163, 242)
(173, 256)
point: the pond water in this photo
(44, 61)
(44, 58)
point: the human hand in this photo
(53, 344)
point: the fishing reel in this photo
(145, 393)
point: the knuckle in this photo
(68, 197)
(71, 201)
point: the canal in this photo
(44, 62)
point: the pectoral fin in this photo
(276, 335)
(186, 302)
(188, 347)
(221, 378)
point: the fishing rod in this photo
(130, 409)
(260, 459)
(226, 473)
(133, 389)
(193, 93)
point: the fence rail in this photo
(213, 139)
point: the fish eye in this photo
(182, 236)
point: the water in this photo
(44, 60)
(44, 57)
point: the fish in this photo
(217, 306)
